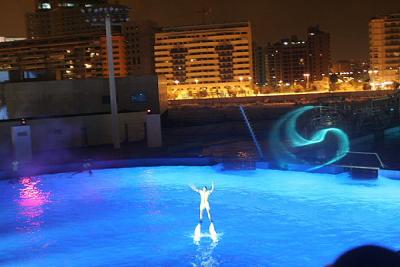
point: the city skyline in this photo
(347, 22)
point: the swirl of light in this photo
(284, 136)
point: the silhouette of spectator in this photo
(368, 256)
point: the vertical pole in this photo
(111, 79)
(253, 136)
(398, 73)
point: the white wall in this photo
(69, 132)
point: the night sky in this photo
(346, 20)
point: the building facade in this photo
(355, 69)
(77, 112)
(319, 53)
(384, 43)
(286, 61)
(73, 57)
(260, 65)
(134, 48)
(60, 18)
(206, 60)
(292, 60)
(140, 40)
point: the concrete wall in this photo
(79, 97)
(75, 131)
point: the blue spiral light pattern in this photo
(285, 138)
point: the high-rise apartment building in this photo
(260, 66)
(286, 61)
(61, 17)
(292, 60)
(73, 57)
(319, 55)
(64, 19)
(206, 60)
(384, 43)
(140, 46)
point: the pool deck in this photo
(138, 155)
(180, 153)
(199, 153)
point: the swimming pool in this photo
(146, 217)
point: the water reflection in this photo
(205, 256)
(31, 203)
(151, 193)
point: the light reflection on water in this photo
(205, 256)
(145, 217)
(151, 193)
(31, 202)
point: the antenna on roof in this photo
(204, 12)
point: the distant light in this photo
(149, 111)
(45, 6)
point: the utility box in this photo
(22, 143)
(153, 130)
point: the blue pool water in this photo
(146, 217)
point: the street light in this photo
(307, 77)
(107, 16)
(373, 77)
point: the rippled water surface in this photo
(146, 217)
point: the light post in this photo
(373, 77)
(307, 77)
(110, 15)
(398, 73)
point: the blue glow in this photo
(146, 217)
(286, 130)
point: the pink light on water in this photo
(32, 198)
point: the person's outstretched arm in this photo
(194, 188)
(212, 187)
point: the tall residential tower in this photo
(384, 43)
(61, 17)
